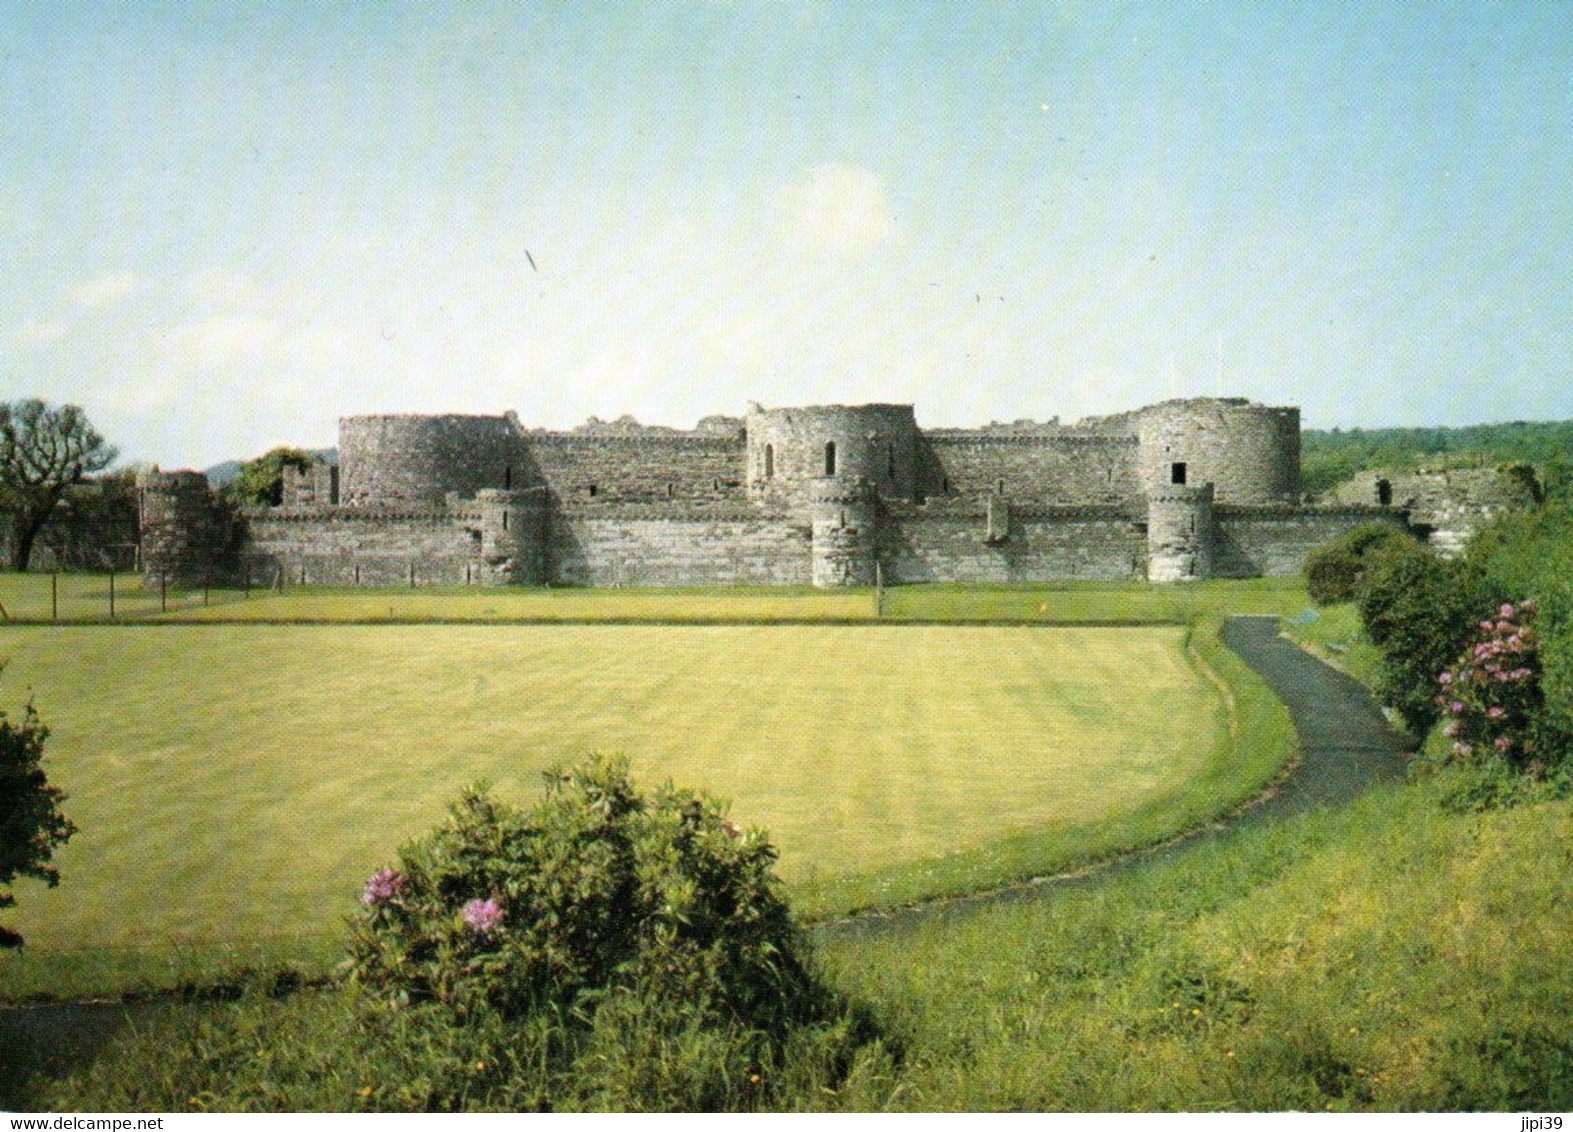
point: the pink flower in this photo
(1456, 708)
(1496, 713)
(1461, 749)
(1502, 743)
(383, 886)
(1450, 728)
(482, 916)
(1486, 626)
(1445, 678)
(1505, 611)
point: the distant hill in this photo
(1331, 457)
(221, 474)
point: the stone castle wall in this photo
(833, 495)
(1447, 504)
(1273, 541)
(1063, 470)
(955, 544)
(587, 471)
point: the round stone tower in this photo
(420, 459)
(845, 546)
(1180, 534)
(177, 527)
(513, 537)
(1250, 453)
(793, 453)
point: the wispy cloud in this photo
(108, 289)
(227, 288)
(841, 209)
(221, 339)
(40, 331)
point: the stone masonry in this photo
(828, 495)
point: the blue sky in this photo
(225, 226)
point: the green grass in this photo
(234, 783)
(1385, 956)
(1336, 635)
(85, 598)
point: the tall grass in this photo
(1385, 956)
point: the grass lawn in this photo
(235, 783)
(85, 598)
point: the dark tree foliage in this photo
(44, 449)
(31, 824)
(260, 482)
(1333, 571)
(1420, 610)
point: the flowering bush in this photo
(595, 892)
(1491, 697)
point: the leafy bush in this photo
(595, 890)
(1419, 610)
(31, 824)
(260, 482)
(1333, 571)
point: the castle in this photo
(833, 495)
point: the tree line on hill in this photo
(1334, 456)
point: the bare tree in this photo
(43, 450)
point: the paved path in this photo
(1345, 745)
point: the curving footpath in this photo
(1345, 745)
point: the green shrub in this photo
(31, 824)
(1333, 571)
(595, 890)
(1419, 610)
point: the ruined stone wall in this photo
(594, 470)
(948, 543)
(318, 485)
(1062, 470)
(348, 546)
(634, 546)
(1447, 505)
(1250, 453)
(1273, 541)
(405, 460)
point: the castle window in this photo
(830, 458)
(592, 491)
(1177, 473)
(999, 488)
(504, 524)
(890, 457)
(944, 486)
(507, 476)
(1384, 493)
(770, 461)
(671, 490)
